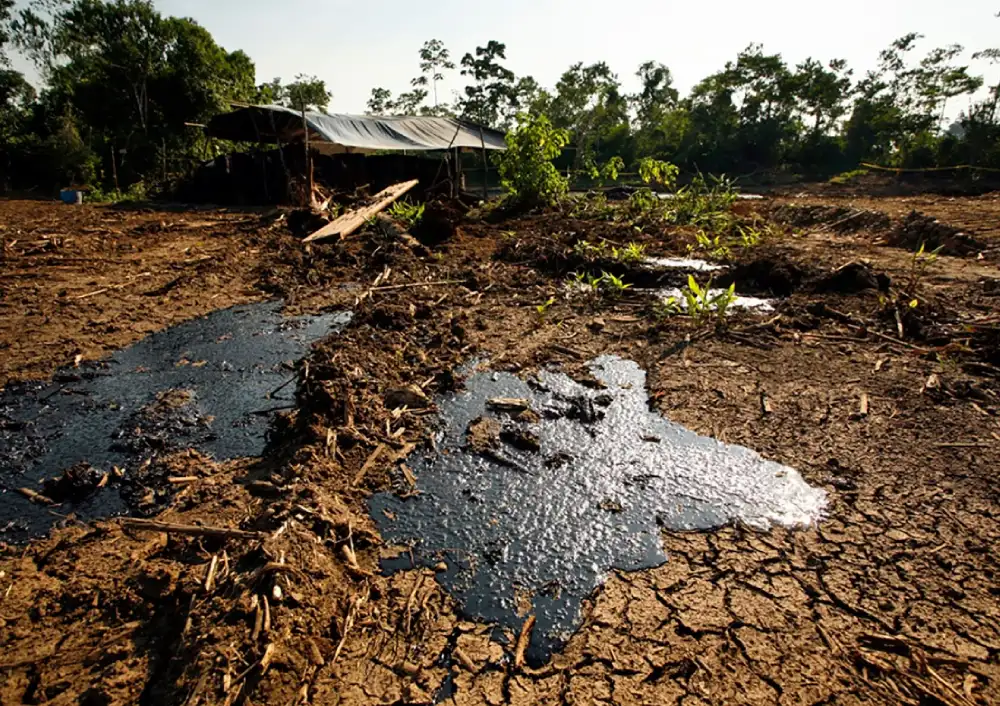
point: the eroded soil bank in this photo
(891, 598)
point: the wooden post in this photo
(114, 166)
(281, 155)
(309, 171)
(486, 166)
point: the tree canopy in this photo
(123, 83)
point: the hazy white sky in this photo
(356, 46)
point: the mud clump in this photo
(75, 484)
(775, 275)
(173, 421)
(852, 278)
(438, 225)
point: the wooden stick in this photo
(415, 284)
(36, 497)
(522, 641)
(190, 530)
(372, 459)
(210, 577)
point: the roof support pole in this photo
(486, 165)
(309, 172)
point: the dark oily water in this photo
(584, 485)
(203, 384)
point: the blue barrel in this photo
(71, 196)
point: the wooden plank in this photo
(352, 220)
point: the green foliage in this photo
(631, 253)
(605, 284)
(614, 286)
(700, 303)
(527, 174)
(920, 263)
(658, 173)
(848, 177)
(589, 251)
(407, 213)
(492, 96)
(712, 246)
(704, 203)
(136, 193)
(127, 78)
(544, 307)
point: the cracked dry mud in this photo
(892, 598)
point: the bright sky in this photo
(356, 46)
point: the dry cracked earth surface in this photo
(893, 597)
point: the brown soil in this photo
(892, 598)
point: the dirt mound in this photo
(774, 274)
(839, 219)
(919, 230)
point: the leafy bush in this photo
(134, 194)
(704, 204)
(527, 174)
(658, 173)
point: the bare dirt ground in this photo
(893, 598)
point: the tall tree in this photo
(589, 102)
(307, 93)
(434, 61)
(489, 100)
(380, 102)
(822, 92)
(130, 76)
(657, 94)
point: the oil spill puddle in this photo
(541, 487)
(203, 384)
(680, 263)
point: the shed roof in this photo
(353, 133)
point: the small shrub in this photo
(699, 303)
(136, 193)
(705, 203)
(615, 286)
(658, 173)
(527, 174)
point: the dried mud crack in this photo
(892, 598)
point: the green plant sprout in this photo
(544, 307)
(407, 213)
(612, 285)
(633, 252)
(699, 303)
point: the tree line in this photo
(124, 84)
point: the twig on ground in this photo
(522, 642)
(190, 530)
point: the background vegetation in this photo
(121, 80)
